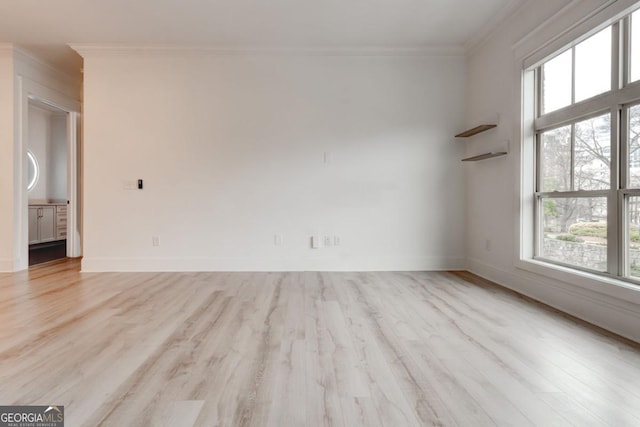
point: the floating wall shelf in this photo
(479, 129)
(476, 130)
(485, 156)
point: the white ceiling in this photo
(44, 26)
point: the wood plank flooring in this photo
(304, 349)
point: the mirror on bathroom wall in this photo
(33, 171)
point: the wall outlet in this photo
(336, 240)
(327, 240)
(277, 239)
(155, 240)
(487, 245)
(316, 243)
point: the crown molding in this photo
(543, 27)
(563, 30)
(114, 50)
(493, 25)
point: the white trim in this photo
(614, 313)
(494, 24)
(49, 96)
(596, 17)
(20, 173)
(274, 264)
(74, 248)
(603, 285)
(151, 50)
(533, 52)
(589, 107)
(32, 60)
(526, 172)
(543, 28)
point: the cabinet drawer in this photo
(61, 216)
(61, 232)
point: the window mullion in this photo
(577, 194)
(619, 63)
(573, 75)
(615, 237)
(572, 166)
(623, 242)
(538, 228)
(539, 91)
(538, 165)
(623, 149)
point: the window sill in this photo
(605, 285)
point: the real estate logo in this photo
(32, 416)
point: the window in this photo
(587, 153)
(578, 73)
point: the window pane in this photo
(592, 156)
(635, 47)
(556, 159)
(634, 147)
(575, 231)
(556, 84)
(633, 215)
(593, 65)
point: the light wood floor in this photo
(304, 349)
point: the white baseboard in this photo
(610, 313)
(90, 264)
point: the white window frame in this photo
(593, 21)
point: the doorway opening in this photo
(47, 186)
(50, 189)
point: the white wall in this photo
(231, 149)
(493, 203)
(6, 159)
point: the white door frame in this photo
(31, 90)
(74, 242)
